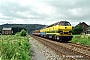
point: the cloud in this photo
(44, 11)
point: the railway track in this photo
(80, 46)
(85, 50)
(67, 51)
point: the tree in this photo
(17, 29)
(77, 29)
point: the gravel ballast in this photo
(36, 53)
(41, 52)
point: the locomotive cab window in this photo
(67, 24)
(61, 23)
(64, 24)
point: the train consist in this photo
(61, 31)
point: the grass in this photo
(13, 47)
(82, 39)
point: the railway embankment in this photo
(62, 51)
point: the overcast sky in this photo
(44, 11)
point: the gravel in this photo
(47, 52)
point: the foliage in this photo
(17, 34)
(14, 47)
(23, 33)
(28, 27)
(82, 39)
(77, 30)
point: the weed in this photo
(13, 47)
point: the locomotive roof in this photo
(56, 23)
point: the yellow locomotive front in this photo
(61, 31)
(64, 31)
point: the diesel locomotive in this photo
(60, 31)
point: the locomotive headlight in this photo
(61, 32)
(70, 31)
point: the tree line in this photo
(18, 27)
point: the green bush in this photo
(78, 36)
(17, 34)
(23, 33)
(82, 39)
(77, 29)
